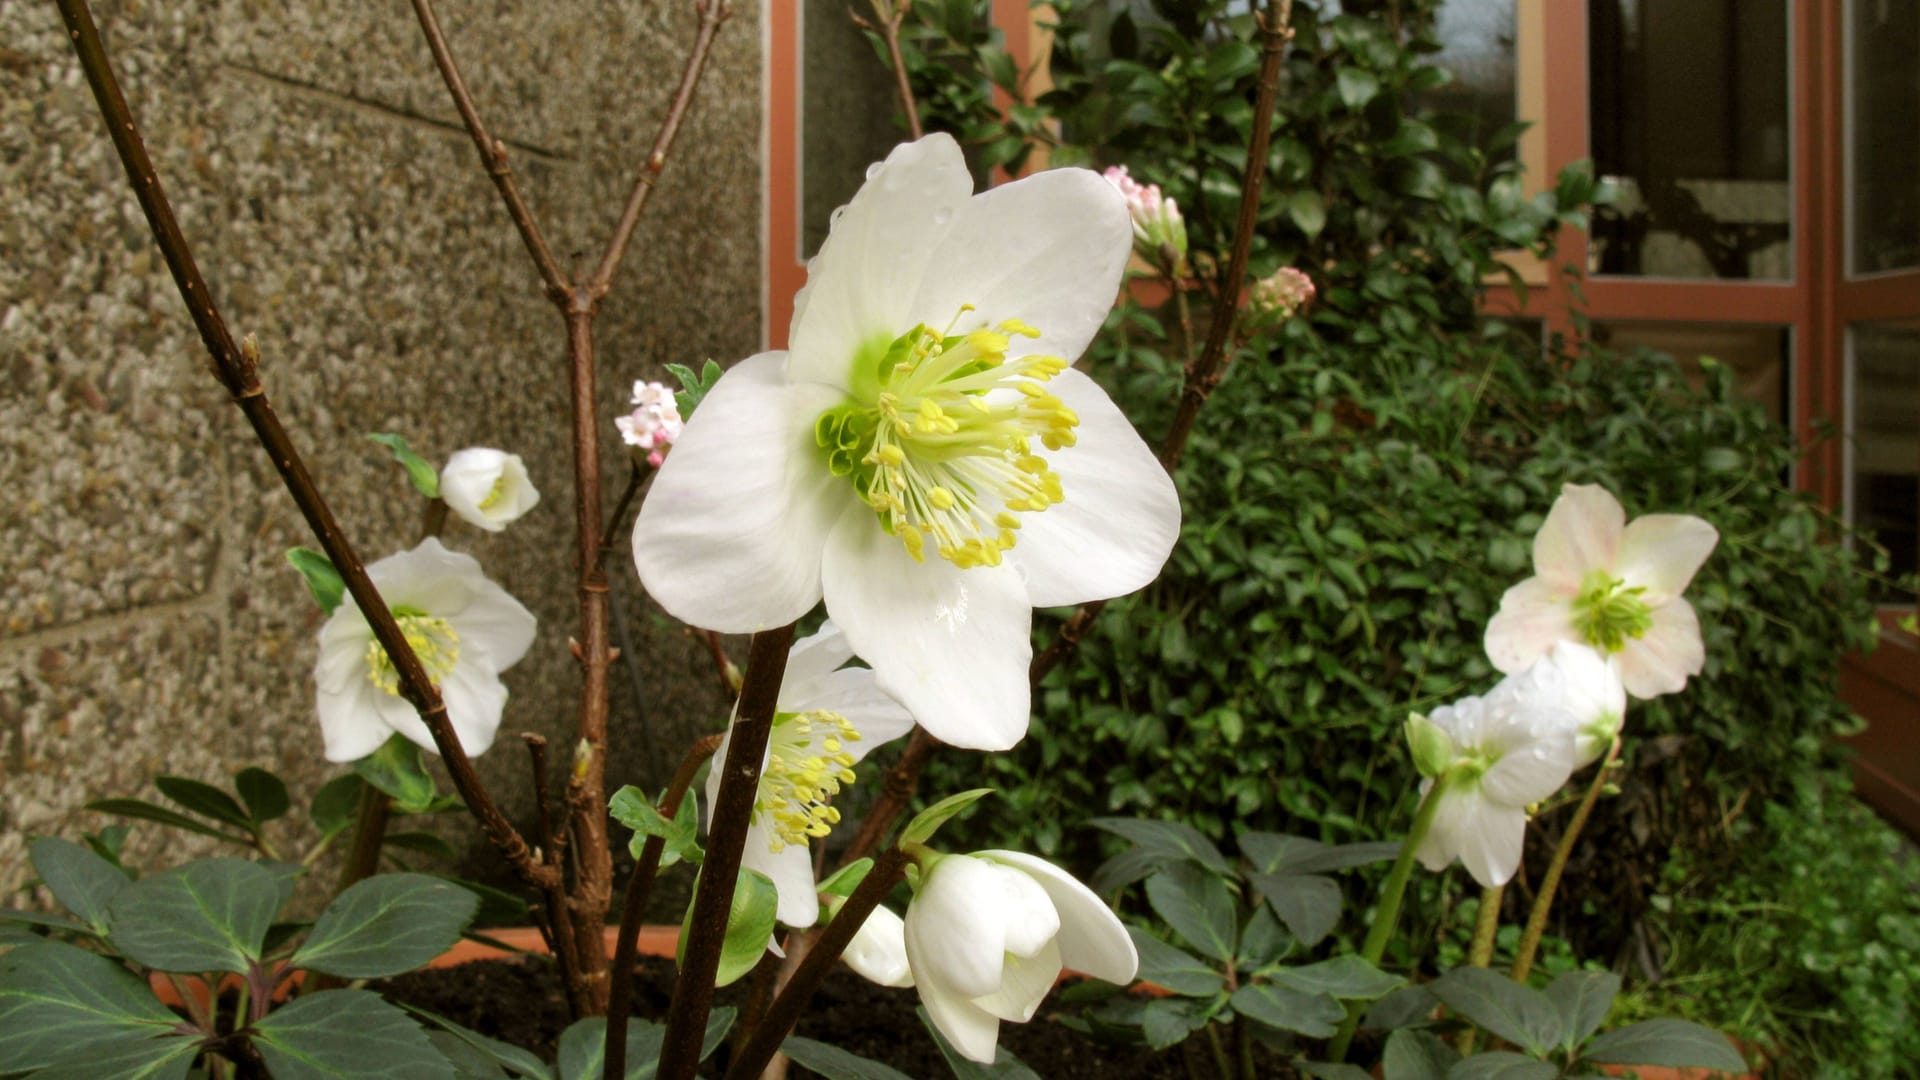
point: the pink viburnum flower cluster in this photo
(1157, 224)
(1281, 295)
(654, 423)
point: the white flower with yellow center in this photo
(466, 631)
(488, 488)
(827, 718)
(1609, 585)
(922, 456)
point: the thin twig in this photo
(723, 665)
(639, 888)
(493, 154)
(236, 366)
(712, 14)
(732, 810)
(895, 794)
(635, 477)
(1205, 373)
(887, 872)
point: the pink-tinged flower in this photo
(654, 423)
(987, 935)
(1594, 698)
(1157, 224)
(923, 457)
(1279, 297)
(1500, 754)
(1610, 585)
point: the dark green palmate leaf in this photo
(385, 925)
(1278, 853)
(346, 1035)
(1417, 1055)
(204, 799)
(336, 803)
(1583, 998)
(1308, 903)
(56, 999)
(211, 915)
(508, 1056)
(264, 793)
(1502, 1065)
(1676, 1043)
(1169, 840)
(1005, 1066)
(834, 1063)
(1197, 904)
(399, 769)
(1168, 967)
(82, 881)
(1316, 1016)
(146, 811)
(583, 1046)
(1167, 1022)
(165, 1058)
(1348, 977)
(1521, 1015)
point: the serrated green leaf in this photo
(324, 583)
(1166, 1022)
(264, 793)
(928, 821)
(203, 799)
(630, 807)
(694, 388)
(843, 881)
(426, 478)
(1316, 1016)
(336, 803)
(1165, 966)
(1005, 1066)
(1674, 1043)
(1417, 1055)
(497, 906)
(146, 811)
(1308, 903)
(1583, 998)
(41, 918)
(1198, 907)
(400, 769)
(1519, 1014)
(423, 843)
(210, 915)
(1262, 940)
(386, 924)
(1502, 1065)
(346, 1035)
(82, 881)
(834, 1063)
(583, 1046)
(1347, 977)
(508, 1056)
(165, 1058)
(1172, 839)
(55, 997)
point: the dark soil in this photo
(519, 1001)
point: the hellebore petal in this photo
(1092, 940)
(1532, 616)
(1662, 552)
(487, 488)
(1670, 651)
(878, 950)
(729, 537)
(1581, 534)
(956, 933)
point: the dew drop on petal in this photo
(834, 218)
(873, 170)
(942, 215)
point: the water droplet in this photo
(873, 170)
(942, 215)
(834, 218)
(1539, 753)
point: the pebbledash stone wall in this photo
(148, 621)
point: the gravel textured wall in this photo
(148, 623)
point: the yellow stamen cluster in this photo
(948, 460)
(807, 762)
(495, 493)
(433, 640)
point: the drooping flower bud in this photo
(1159, 232)
(488, 488)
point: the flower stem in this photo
(1537, 918)
(1481, 954)
(1389, 911)
(369, 832)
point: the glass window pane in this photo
(1758, 355)
(1884, 459)
(1690, 118)
(1478, 45)
(1883, 40)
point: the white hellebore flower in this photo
(1509, 750)
(827, 717)
(1594, 698)
(923, 421)
(1611, 585)
(988, 934)
(878, 950)
(488, 488)
(466, 631)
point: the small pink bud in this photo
(654, 423)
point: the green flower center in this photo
(1607, 613)
(495, 493)
(802, 775)
(432, 639)
(937, 454)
